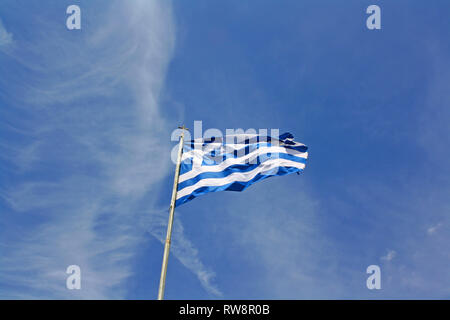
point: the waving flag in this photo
(234, 162)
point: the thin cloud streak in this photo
(183, 249)
(5, 37)
(389, 255)
(93, 127)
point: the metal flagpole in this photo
(162, 281)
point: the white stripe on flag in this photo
(239, 176)
(199, 154)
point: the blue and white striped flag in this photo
(234, 162)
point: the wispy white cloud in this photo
(432, 229)
(96, 144)
(389, 255)
(5, 37)
(183, 249)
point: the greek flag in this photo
(235, 162)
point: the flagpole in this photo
(162, 281)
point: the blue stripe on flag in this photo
(242, 167)
(237, 185)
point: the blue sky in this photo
(86, 118)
